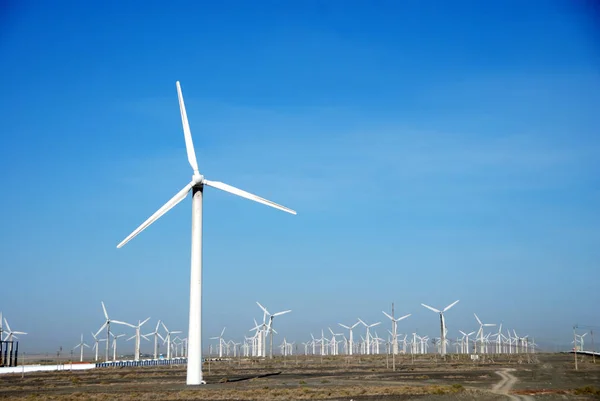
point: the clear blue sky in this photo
(434, 151)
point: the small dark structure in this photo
(9, 351)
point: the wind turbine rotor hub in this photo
(198, 179)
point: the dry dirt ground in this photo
(358, 378)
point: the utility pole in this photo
(593, 348)
(394, 339)
(575, 345)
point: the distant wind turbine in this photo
(81, 345)
(442, 324)
(106, 324)
(270, 324)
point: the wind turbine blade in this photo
(450, 306)
(282, 313)
(130, 338)
(263, 308)
(375, 324)
(144, 321)
(403, 317)
(236, 191)
(360, 321)
(104, 309)
(344, 326)
(165, 327)
(100, 330)
(222, 332)
(388, 315)
(157, 324)
(7, 326)
(187, 133)
(124, 323)
(478, 321)
(433, 309)
(164, 209)
(175, 332)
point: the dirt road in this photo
(506, 384)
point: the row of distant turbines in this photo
(482, 343)
(176, 346)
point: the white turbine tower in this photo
(196, 186)
(442, 324)
(270, 324)
(395, 331)
(81, 345)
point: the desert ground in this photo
(426, 377)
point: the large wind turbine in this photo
(270, 325)
(196, 186)
(442, 324)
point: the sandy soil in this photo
(542, 376)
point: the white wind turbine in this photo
(220, 338)
(10, 334)
(466, 339)
(114, 344)
(350, 336)
(196, 186)
(156, 337)
(480, 333)
(442, 324)
(168, 339)
(395, 331)
(81, 345)
(107, 325)
(137, 337)
(96, 344)
(270, 324)
(368, 339)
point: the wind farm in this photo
(344, 201)
(470, 348)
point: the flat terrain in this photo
(519, 377)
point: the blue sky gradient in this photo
(434, 151)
